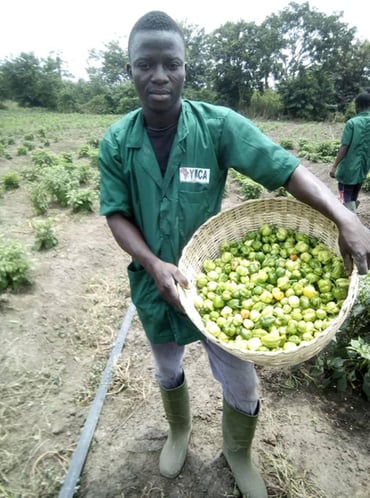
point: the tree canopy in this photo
(312, 62)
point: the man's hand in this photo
(332, 172)
(166, 276)
(354, 243)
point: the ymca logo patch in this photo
(194, 175)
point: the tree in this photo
(308, 38)
(109, 64)
(197, 56)
(302, 95)
(353, 75)
(316, 44)
(32, 82)
(235, 52)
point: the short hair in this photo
(155, 20)
(363, 100)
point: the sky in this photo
(70, 28)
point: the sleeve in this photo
(249, 151)
(115, 195)
(347, 133)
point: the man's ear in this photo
(129, 71)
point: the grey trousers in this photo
(238, 378)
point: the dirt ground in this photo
(56, 338)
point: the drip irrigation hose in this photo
(79, 456)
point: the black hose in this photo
(79, 456)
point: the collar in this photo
(138, 130)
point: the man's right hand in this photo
(166, 277)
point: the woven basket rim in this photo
(290, 209)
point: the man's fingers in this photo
(181, 279)
(348, 263)
(362, 265)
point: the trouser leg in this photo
(348, 194)
(168, 358)
(239, 382)
(175, 398)
(238, 378)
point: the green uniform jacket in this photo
(355, 165)
(167, 210)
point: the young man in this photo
(163, 173)
(352, 163)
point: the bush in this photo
(11, 181)
(287, 143)
(22, 150)
(248, 188)
(366, 184)
(325, 151)
(94, 158)
(345, 363)
(45, 235)
(100, 104)
(82, 200)
(14, 266)
(39, 199)
(83, 173)
(43, 158)
(59, 182)
(281, 192)
(267, 105)
(83, 151)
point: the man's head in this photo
(362, 102)
(155, 20)
(156, 50)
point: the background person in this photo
(163, 172)
(352, 163)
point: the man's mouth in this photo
(159, 93)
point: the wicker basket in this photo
(231, 225)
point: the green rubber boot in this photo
(238, 431)
(352, 206)
(177, 409)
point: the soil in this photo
(56, 339)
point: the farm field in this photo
(58, 333)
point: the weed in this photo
(248, 188)
(345, 363)
(324, 151)
(82, 200)
(84, 151)
(14, 266)
(59, 183)
(287, 143)
(39, 199)
(11, 181)
(45, 235)
(43, 158)
(366, 184)
(22, 150)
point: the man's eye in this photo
(174, 65)
(144, 66)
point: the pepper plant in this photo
(345, 363)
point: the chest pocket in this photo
(194, 209)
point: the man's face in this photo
(157, 68)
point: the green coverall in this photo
(168, 209)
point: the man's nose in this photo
(160, 73)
